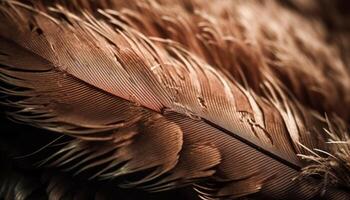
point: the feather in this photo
(151, 114)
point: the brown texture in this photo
(214, 97)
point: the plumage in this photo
(149, 99)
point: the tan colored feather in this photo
(138, 104)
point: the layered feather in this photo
(154, 115)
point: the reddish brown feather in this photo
(115, 89)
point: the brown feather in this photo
(138, 104)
